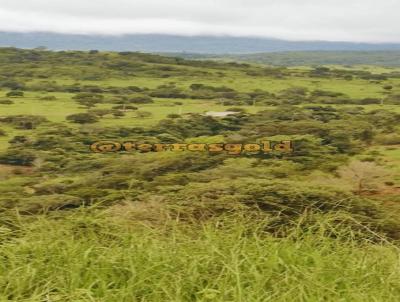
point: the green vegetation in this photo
(102, 256)
(318, 224)
(307, 58)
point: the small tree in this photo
(83, 118)
(6, 102)
(88, 99)
(125, 107)
(141, 100)
(15, 93)
(18, 157)
(387, 89)
(173, 115)
(88, 103)
(364, 176)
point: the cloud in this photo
(333, 20)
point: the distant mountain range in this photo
(179, 44)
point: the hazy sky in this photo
(335, 20)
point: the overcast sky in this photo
(334, 20)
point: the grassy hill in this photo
(318, 223)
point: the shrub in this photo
(15, 94)
(86, 96)
(141, 100)
(125, 107)
(48, 98)
(6, 102)
(83, 118)
(368, 101)
(173, 115)
(24, 121)
(11, 84)
(285, 201)
(134, 88)
(18, 157)
(236, 109)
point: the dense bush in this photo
(17, 156)
(82, 118)
(24, 121)
(140, 100)
(15, 94)
(42, 203)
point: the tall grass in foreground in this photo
(86, 256)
